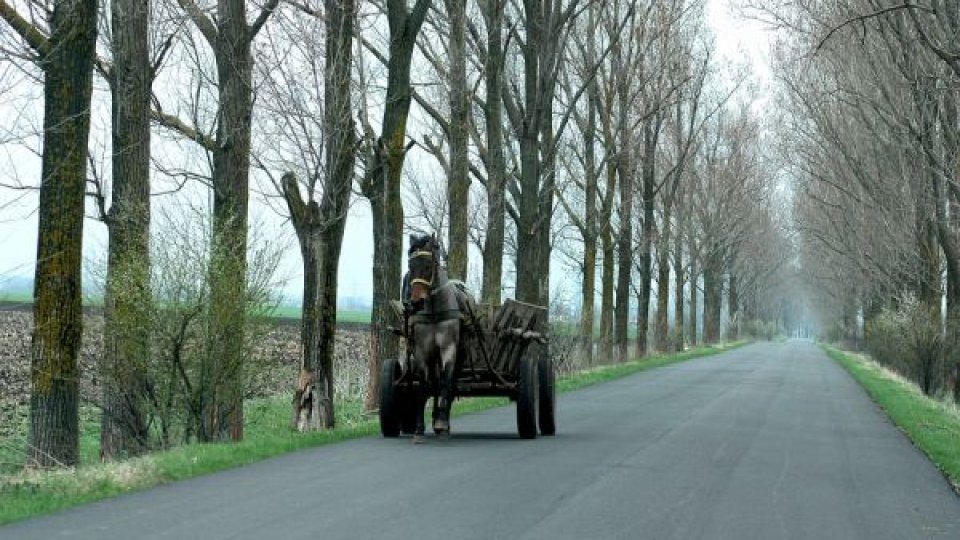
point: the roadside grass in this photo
(343, 316)
(28, 493)
(607, 373)
(16, 297)
(932, 425)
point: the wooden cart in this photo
(494, 359)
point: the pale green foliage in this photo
(909, 338)
(178, 366)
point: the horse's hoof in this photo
(441, 426)
(419, 439)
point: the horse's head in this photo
(422, 262)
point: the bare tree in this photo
(322, 146)
(229, 36)
(124, 428)
(66, 52)
(381, 182)
(458, 182)
(546, 24)
(493, 247)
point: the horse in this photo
(436, 307)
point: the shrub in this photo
(910, 339)
(758, 329)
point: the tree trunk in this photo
(624, 258)
(496, 162)
(222, 400)
(733, 307)
(625, 233)
(663, 283)
(127, 299)
(548, 170)
(313, 399)
(712, 297)
(589, 283)
(953, 320)
(530, 222)
(55, 344)
(607, 295)
(320, 227)
(382, 186)
(320, 233)
(608, 248)
(678, 298)
(650, 134)
(694, 306)
(542, 56)
(458, 185)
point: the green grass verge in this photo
(608, 373)
(344, 316)
(934, 427)
(28, 494)
(17, 297)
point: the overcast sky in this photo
(736, 39)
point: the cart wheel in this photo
(391, 398)
(527, 398)
(548, 396)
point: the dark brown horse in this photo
(436, 308)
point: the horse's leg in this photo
(421, 389)
(435, 378)
(447, 339)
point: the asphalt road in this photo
(768, 441)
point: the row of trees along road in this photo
(869, 100)
(603, 135)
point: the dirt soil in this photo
(277, 357)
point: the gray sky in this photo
(736, 40)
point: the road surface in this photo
(767, 441)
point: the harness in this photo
(433, 275)
(438, 294)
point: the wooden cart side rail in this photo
(507, 334)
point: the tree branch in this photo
(863, 18)
(262, 19)
(30, 33)
(203, 23)
(174, 123)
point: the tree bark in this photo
(678, 297)
(127, 301)
(733, 307)
(530, 224)
(223, 399)
(608, 248)
(542, 52)
(712, 296)
(68, 71)
(589, 283)
(320, 227)
(626, 185)
(694, 306)
(496, 161)
(650, 136)
(607, 295)
(458, 184)
(663, 282)
(382, 185)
